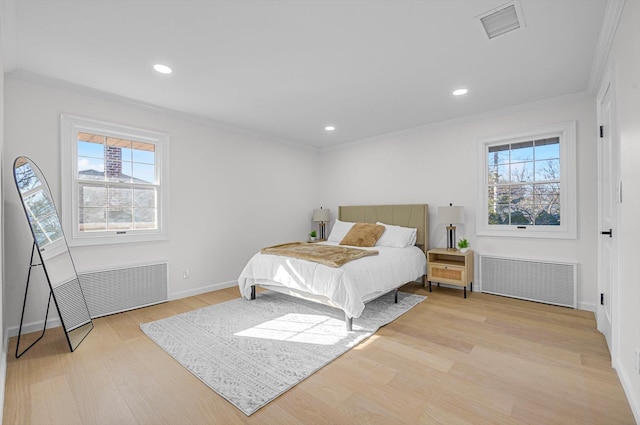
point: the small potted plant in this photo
(463, 244)
(313, 235)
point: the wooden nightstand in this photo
(452, 267)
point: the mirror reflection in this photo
(53, 251)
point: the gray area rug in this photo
(250, 352)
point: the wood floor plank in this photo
(483, 360)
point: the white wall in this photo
(230, 193)
(625, 60)
(438, 165)
(3, 351)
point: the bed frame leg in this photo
(395, 295)
(253, 292)
(349, 322)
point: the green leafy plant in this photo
(313, 234)
(463, 243)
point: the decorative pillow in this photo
(339, 230)
(363, 234)
(397, 236)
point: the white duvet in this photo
(348, 287)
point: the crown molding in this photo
(35, 78)
(612, 16)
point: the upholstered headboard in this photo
(413, 215)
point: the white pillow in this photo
(339, 230)
(397, 236)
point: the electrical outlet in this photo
(185, 274)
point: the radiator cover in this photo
(543, 281)
(113, 291)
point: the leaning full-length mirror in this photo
(53, 251)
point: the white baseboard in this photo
(54, 322)
(587, 306)
(3, 371)
(632, 397)
(34, 326)
(203, 289)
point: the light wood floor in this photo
(483, 360)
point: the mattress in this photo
(348, 287)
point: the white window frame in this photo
(70, 126)
(566, 132)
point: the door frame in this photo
(608, 85)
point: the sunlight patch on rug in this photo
(305, 328)
(250, 352)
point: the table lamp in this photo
(451, 215)
(321, 216)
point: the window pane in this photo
(498, 155)
(93, 150)
(120, 219)
(548, 215)
(547, 194)
(92, 196)
(522, 172)
(144, 153)
(144, 197)
(92, 219)
(119, 171)
(499, 195)
(144, 173)
(522, 151)
(548, 170)
(521, 218)
(145, 218)
(499, 214)
(503, 174)
(547, 148)
(120, 197)
(521, 194)
(91, 137)
(90, 168)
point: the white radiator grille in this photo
(113, 291)
(547, 282)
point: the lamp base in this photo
(451, 238)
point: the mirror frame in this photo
(55, 258)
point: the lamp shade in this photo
(321, 215)
(451, 215)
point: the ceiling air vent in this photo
(502, 20)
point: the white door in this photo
(608, 196)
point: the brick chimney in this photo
(113, 166)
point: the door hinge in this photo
(601, 299)
(602, 131)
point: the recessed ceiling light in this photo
(162, 69)
(460, 92)
(329, 128)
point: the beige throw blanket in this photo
(329, 255)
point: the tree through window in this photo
(528, 183)
(524, 183)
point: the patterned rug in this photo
(250, 352)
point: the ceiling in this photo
(287, 69)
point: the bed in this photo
(350, 286)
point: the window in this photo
(528, 184)
(114, 182)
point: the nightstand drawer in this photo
(448, 274)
